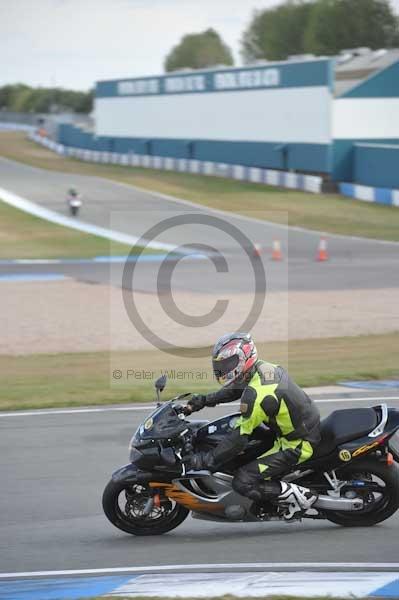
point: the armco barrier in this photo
(309, 183)
(370, 194)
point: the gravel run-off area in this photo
(70, 316)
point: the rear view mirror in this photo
(161, 383)
(160, 386)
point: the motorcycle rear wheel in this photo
(160, 520)
(384, 507)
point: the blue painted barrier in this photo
(388, 197)
(300, 181)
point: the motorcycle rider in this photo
(74, 200)
(72, 193)
(268, 396)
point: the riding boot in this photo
(296, 500)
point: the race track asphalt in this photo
(55, 466)
(354, 263)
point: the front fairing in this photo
(163, 424)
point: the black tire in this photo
(143, 526)
(384, 508)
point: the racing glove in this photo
(196, 402)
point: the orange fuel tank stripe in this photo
(185, 498)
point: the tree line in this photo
(320, 27)
(23, 98)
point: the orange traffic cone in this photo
(276, 250)
(257, 251)
(322, 253)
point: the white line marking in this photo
(202, 207)
(334, 584)
(206, 566)
(59, 219)
(146, 407)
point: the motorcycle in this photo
(74, 204)
(354, 471)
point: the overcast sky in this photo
(73, 43)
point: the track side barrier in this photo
(386, 196)
(284, 179)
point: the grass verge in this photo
(56, 380)
(25, 236)
(331, 213)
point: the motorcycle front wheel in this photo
(379, 505)
(124, 506)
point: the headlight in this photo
(139, 440)
(136, 439)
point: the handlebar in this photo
(183, 410)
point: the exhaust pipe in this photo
(344, 504)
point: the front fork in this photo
(154, 501)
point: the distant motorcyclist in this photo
(268, 396)
(74, 201)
